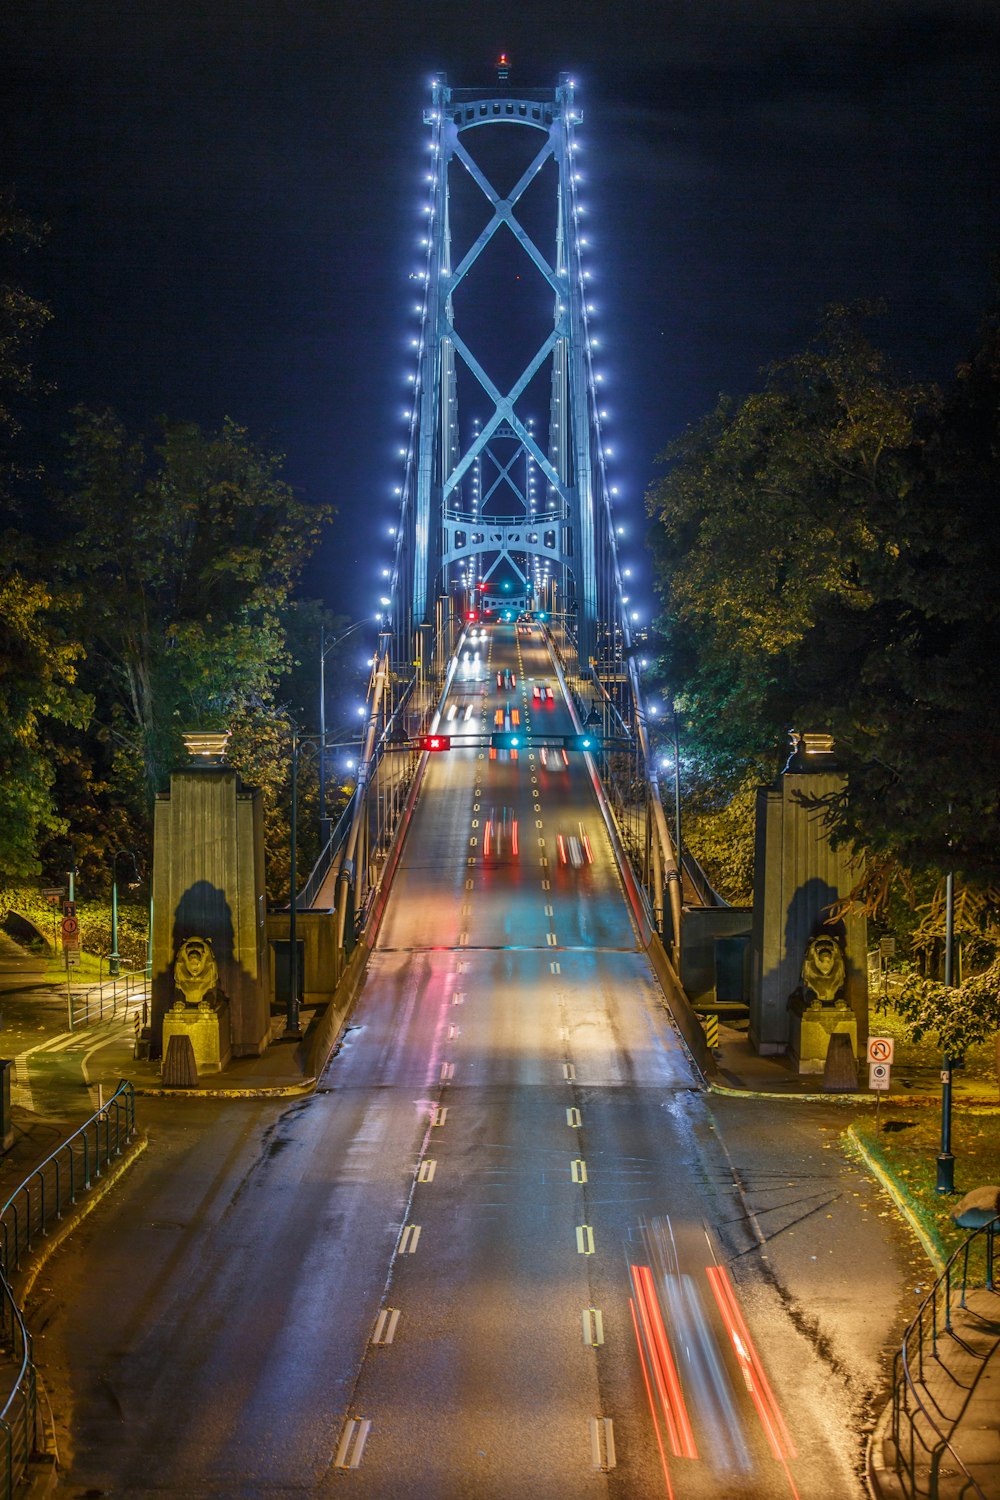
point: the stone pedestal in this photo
(207, 1027)
(208, 882)
(810, 1032)
(798, 877)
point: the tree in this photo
(824, 556)
(38, 655)
(188, 551)
(22, 317)
(37, 685)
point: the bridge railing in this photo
(403, 704)
(607, 697)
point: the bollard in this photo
(711, 1025)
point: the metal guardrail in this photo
(920, 1345)
(109, 998)
(25, 1218)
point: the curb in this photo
(857, 1147)
(861, 1096)
(275, 1091)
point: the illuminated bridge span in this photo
(506, 509)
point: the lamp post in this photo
(677, 784)
(946, 1160)
(325, 647)
(114, 963)
(299, 742)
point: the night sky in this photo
(233, 194)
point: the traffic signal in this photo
(472, 615)
(508, 739)
(435, 742)
(590, 741)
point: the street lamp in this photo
(677, 785)
(325, 647)
(946, 1159)
(299, 742)
(114, 963)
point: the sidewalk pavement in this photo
(963, 1383)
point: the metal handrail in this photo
(42, 1195)
(31, 1208)
(908, 1367)
(83, 1012)
(319, 871)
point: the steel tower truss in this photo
(570, 539)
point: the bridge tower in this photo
(494, 507)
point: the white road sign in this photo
(880, 1049)
(878, 1075)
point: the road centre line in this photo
(410, 1239)
(447, 1072)
(584, 1239)
(385, 1326)
(593, 1327)
(555, 968)
(602, 1443)
(427, 1169)
(551, 939)
(352, 1442)
(440, 1115)
(569, 1072)
(574, 1119)
(578, 1170)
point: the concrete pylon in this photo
(798, 877)
(208, 882)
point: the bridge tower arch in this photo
(471, 515)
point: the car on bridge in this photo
(500, 834)
(542, 693)
(506, 678)
(574, 848)
(553, 760)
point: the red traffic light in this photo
(435, 742)
(472, 615)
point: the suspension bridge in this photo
(506, 515)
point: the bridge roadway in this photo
(509, 1127)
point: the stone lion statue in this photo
(196, 973)
(823, 971)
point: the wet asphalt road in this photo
(509, 1249)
